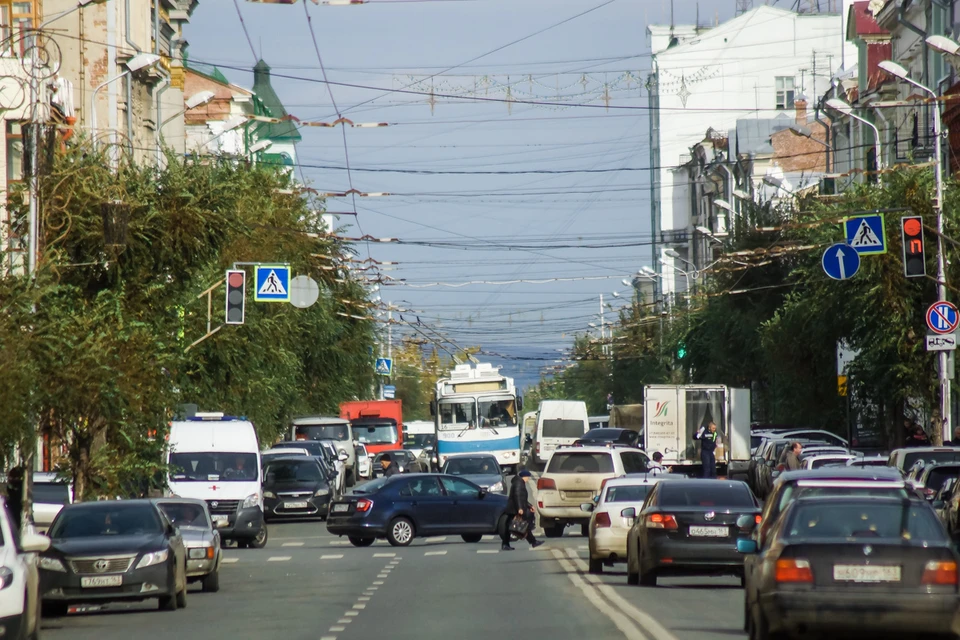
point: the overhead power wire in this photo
(243, 25)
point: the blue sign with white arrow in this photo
(840, 261)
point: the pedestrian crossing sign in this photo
(866, 234)
(273, 283)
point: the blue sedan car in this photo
(406, 506)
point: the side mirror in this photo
(34, 543)
(746, 546)
(343, 456)
(482, 494)
(433, 407)
(746, 522)
(519, 403)
(587, 507)
(629, 512)
(937, 504)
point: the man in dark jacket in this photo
(708, 444)
(389, 469)
(518, 505)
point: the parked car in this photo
(770, 463)
(200, 537)
(295, 487)
(819, 460)
(932, 477)
(275, 454)
(364, 462)
(111, 551)
(845, 566)
(405, 460)
(50, 494)
(905, 459)
(612, 515)
(600, 436)
(690, 527)
(867, 461)
(573, 476)
(19, 579)
(407, 506)
(481, 469)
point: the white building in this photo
(755, 65)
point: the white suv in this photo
(574, 475)
(19, 579)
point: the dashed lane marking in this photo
(278, 558)
(344, 620)
(384, 555)
(363, 599)
(340, 543)
(488, 551)
(436, 539)
(230, 560)
(381, 575)
(331, 556)
(378, 582)
(328, 637)
(360, 606)
(352, 613)
(435, 553)
(338, 628)
(292, 544)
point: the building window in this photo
(785, 92)
(15, 18)
(14, 153)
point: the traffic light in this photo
(681, 350)
(236, 295)
(914, 264)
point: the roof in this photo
(209, 70)
(753, 135)
(861, 22)
(263, 89)
(843, 473)
(319, 420)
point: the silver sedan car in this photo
(200, 538)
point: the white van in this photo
(559, 423)
(216, 458)
(418, 436)
(329, 428)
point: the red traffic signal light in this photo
(914, 263)
(236, 296)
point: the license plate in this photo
(578, 495)
(341, 508)
(294, 505)
(220, 521)
(709, 532)
(865, 573)
(101, 581)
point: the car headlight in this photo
(6, 577)
(150, 559)
(322, 492)
(251, 500)
(269, 494)
(199, 553)
(496, 487)
(52, 564)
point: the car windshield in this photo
(603, 434)
(293, 471)
(628, 493)
(312, 447)
(580, 462)
(185, 514)
(384, 433)
(106, 520)
(864, 520)
(338, 432)
(419, 440)
(213, 467)
(51, 493)
(825, 462)
(679, 494)
(793, 492)
(472, 466)
(940, 475)
(498, 413)
(457, 414)
(928, 457)
(562, 428)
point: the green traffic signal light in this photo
(681, 351)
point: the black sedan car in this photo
(295, 487)
(111, 551)
(405, 460)
(849, 567)
(403, 507)
(610, 435)
(689, 528)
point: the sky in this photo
(483, 192)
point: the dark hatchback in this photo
(689, 528)
(854, 567)
(625, 437)
(403, 507)
(295, 487)
(110, 551)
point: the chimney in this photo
(801, 106)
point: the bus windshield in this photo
(457, 414)
(498, 413)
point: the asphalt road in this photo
(308, 584)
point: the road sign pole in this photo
(941, 268)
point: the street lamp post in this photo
(137, 62)
(842, 107)
(895, 69)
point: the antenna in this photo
(743, 6)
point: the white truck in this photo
(674, 413)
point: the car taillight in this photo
(545, 483)
(793, 570)
(758, 519)
(537, 448)
(603, 519)
(364, 505)
(661, 521)
(939, 573)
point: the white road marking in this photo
(435, 553)
(340, 543)
(352, 613)
(292, 544)
(378, 582)
(359, 606)
(230, 560)
(344, 620)
(583, 547)
(278, 558)
(488, 551)
(337, 628)
(328, 637)
(363, 599)
(372, 588)
(331, 556)
(381, 575)
(384, 555)
(437, 539)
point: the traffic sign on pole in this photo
(945, 342)
(272, 283)
(389, 392)
(866, 234)
(943, 317)
(840, 262)
(384, 366)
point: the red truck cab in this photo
(378, 424)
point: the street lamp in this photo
(842, 107)
(708, 234)
(136, 63)
(896, 70)
(806, 132)
(259, 146)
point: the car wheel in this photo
(761, 629)
(211, 582)
(55, 609)
(648, 578)
(361, 542)
(181, 598)
(167, 603)
(400, 533)
(472, 537)
(556, 531)
(596, 566)
(746, 617)
(351, 479)
(585, 529)
(260, 541)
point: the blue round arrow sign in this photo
(840, 261)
